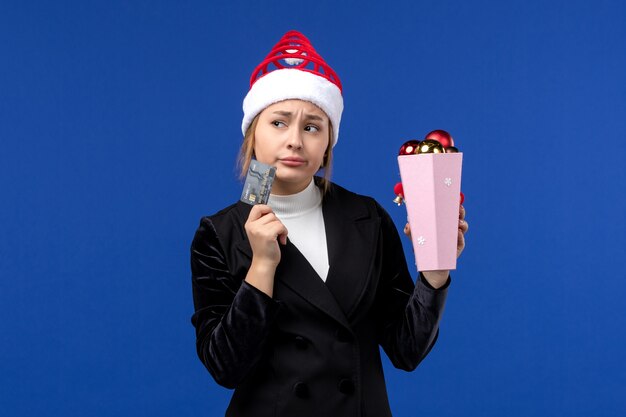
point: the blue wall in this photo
(119, 127)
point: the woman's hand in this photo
(438, 278)
(463, 227)
(264, 231)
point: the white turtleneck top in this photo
(301, 213)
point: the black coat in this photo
(312, 349)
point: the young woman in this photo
(293, 298)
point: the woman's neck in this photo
(296, 204)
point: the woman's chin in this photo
(293, 174)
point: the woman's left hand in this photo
(463, 226)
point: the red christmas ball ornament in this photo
(462, 198)
(409, 147)
(442, 137)
(399, 192)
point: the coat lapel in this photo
(352, 237)
(295, 272)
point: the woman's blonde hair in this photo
(246, 153)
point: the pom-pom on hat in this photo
(294, 70)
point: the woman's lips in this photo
(293, 162)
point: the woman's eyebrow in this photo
(307, 116)
(313, 117)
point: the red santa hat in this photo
(294, 70)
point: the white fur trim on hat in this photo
(288, 83)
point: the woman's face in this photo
(292, 135)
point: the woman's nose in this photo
(295, 139)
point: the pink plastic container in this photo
(432, 187)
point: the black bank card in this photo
(256, 189)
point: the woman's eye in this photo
(278, 123)
(311, 128)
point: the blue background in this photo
(119, 128)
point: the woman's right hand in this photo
(264, 231)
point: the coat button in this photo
(343, 335)
(301, 343)
(301, 389)
(346, 386)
